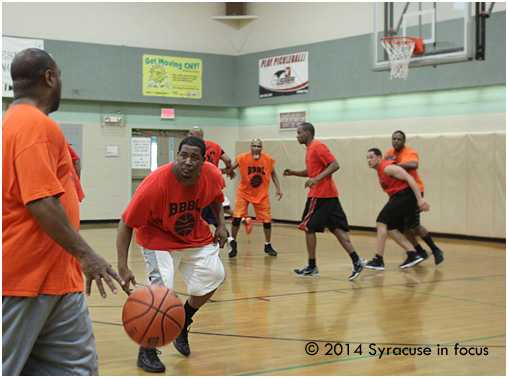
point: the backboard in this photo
(445, 27)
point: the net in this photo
(399, 50)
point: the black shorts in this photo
(394, 213)
(412, 220)
(323, 213)
(208, 215)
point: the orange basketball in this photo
(153, 316)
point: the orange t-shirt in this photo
(167, 215)
(35, 164)
(256, 174)
(317, 159)
(407, 155)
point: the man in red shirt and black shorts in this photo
(323, 208)
(404, 196)
(165, 211)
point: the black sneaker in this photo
(307, 271)
(232, 252)
(413, 258)
(375, 264)
(269, 250)
(423, 254)
(149, 361)
(357, 268)
(181, 342)
(438, 256)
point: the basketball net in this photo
(399, 50)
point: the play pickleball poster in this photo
(172, 77)
(284, 75)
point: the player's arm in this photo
(51, 216)
(77, 167)
(229, 170)
(411, 165)
(221, 235)
(227, 161)
(275, 180)
(401, 174)
(302, 173)
(123, 241)
(330, 169)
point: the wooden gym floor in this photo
(263, 318)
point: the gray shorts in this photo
(47, 335)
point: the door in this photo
(163, 146)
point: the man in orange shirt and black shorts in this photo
(256, 169)
(323, 208)
(165, 211)
(407, 158)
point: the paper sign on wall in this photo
(141, 152)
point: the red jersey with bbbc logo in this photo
(317, 159)
(390, 185)
(167, 215)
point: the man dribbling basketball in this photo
(165, 211)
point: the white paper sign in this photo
(141, 152)
(10, 47)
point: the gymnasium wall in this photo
(346, 99)
(464, 175)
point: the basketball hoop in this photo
(399, 50)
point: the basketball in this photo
(185, 224)
(153, 316)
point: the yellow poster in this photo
(172, 76)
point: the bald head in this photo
(256, 146)
(36, 75)
(196, 131)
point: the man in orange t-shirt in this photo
(407, 158)
(323, 208)
(165, 212)
(256, 169)
(43, 255)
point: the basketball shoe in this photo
(248, 224)
(376, 263)
(181, 342)
(307, 271)
(149, 361)
(269, 250)
(438, 256)
(413, 258)
(357, 268)
(232, 247)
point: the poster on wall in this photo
(10, 47)
(172, 77)
(284, 75)
(141, 152)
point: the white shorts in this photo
(226, 202)
(201, 268)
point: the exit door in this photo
(163, 146)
